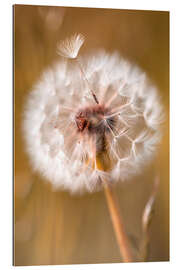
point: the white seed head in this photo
(70, 47)
(64, 127)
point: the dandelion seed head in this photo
(64, 127)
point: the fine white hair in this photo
(55, 148)
(69, 48)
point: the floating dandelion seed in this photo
(70, 47)
(90, 124)
(70, 119)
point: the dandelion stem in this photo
(116, 218)
(118, 224)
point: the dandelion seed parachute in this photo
(63, 127)
(70, 47)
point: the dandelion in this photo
(91, 123)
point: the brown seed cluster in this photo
(93, 120)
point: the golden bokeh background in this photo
(54, 227)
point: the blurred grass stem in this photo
(146, 222)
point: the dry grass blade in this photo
(146, 221)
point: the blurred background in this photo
(56, 227)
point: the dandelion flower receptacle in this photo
(71, 116)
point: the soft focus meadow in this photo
(54, 227)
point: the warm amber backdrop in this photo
(55, 227)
